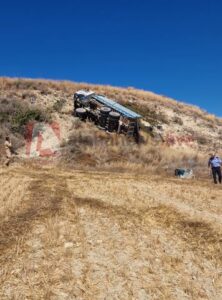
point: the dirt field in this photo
(96, 235)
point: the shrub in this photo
(14, 115)
(178, 120)
(21, 118)
(58, 105)
(154, 117)
(201, 139)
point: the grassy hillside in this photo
(187, 131)
(174, 116)
(105, 221)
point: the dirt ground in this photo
(98, 235)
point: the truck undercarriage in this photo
(106, 113)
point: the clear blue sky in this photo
(172, 47)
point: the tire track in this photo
(41, 202)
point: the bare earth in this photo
(97, 235)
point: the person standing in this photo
(215, 163)
(8, 150)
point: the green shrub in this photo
(14, 114)
(58, 105)
(21, 118)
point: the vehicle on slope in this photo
(106, 113)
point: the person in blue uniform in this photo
(215, 164)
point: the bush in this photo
(14, 115)
(58, 105)
(201, 139)
(178, 120)
(154, 117)
(21, 118)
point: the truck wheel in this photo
(114, 115)
(81, 113)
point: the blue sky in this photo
(171, 47)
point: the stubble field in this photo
(98, 235)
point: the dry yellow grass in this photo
(178, 119)
(105, 228)
(91, 148)
(98, 235)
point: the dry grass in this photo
(91, 148)
(176, 118)
(124, 95)
(99, 235)
(99, 225)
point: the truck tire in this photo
(105, 110)
(81, 113)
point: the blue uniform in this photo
(215, 162)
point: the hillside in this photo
(104, 218)
(188, 132)
(176, 118)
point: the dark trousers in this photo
(216, 171)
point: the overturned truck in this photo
(106, 113)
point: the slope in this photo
(183, 125)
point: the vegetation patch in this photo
(15, 115)
(154, 117)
